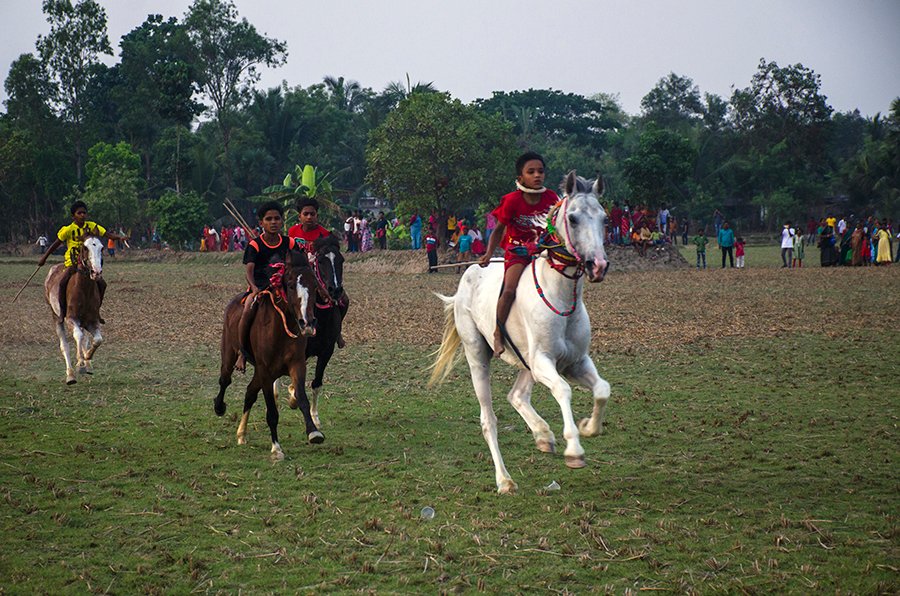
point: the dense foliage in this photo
(775, 149)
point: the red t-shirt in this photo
(521, 219)
(304, 238)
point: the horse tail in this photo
(447, 353)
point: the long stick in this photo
(26, 283)
(237, 216)
(464, 263)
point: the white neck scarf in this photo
(534, 191)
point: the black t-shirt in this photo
(264, 256)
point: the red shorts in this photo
(515, 256)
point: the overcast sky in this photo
(473, 47)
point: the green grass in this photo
(754, 464)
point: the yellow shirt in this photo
(831, 221)
(73, 236)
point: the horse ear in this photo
(570, 184)
(598, 185)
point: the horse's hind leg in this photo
(520, 398)
(229, 357)
(249, 399)
(585, 373)
(544, 371)
(272, 420)
(479, 357)
(64, 348)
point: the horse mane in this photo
(326, 241)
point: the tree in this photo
(435, 153)
(346, 96)
(77, 37)
(226, 53)
(674, 102)
(179, 217)
(113, 184)
(659, 169)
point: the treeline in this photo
(164, 136)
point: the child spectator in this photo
(464, 246)
(797, 258)
(700, 240)
(431, 243)
(739, 253)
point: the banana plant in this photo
(303, 182)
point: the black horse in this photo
(331, 308)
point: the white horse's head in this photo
(92, 256)
(581, 221)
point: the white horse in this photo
(83, 306)
(548, 325)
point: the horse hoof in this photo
(293, 403)
(546, 446)
(575, 461)
(278, 455)
(242, 440)
(507, 487)
(219, 407)
(71, 380)
(585, 429)
(316, 438)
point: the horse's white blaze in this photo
(303, 295)
(552, 346)
(95, 256)
(331, 257)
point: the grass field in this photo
(751, 445)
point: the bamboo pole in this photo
(26, 283)
(232, 210)
(464, 264)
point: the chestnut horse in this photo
(328, 264)
(82, 306)
(282, 325)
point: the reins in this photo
(559, 258)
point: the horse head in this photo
(581, 222)
(301, 287)
(329, 266)
(90, 259)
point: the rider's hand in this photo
(484, 261)
(42, 261)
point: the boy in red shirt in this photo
(520, 224)
(308, 230)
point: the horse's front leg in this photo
(272, 420)
(544, 371)
(95, 340)
(64, 348)
(81, 339)
(520, 398)
(299, 399)
(585, 373)
(479, 359)
(249, 399)
(317, 382)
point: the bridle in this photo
(322, 290)
(559, 257)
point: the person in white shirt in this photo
(787, 245)
(842, 226)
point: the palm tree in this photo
(346, 96)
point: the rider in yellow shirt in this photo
(73, 235)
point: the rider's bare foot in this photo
(340, 341)
(499, 348)
(241, 364)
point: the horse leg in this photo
(95, 340)
(298, 396)
(64, 348)
(272, 420)
(520, 398)
(316, 385)
(78, 335)
(249, 399)
(479, 356)
(585, 373)
(544, 371)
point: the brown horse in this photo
(82, 306)
(283, 322)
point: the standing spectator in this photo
(883, 237)
(490, 222)
(787, 245)
(725, 239)
(464, 246)
(831, 222)
(841, 226)
(718, 218)
(212, 240)
(431, 243)
(701, 241)
(451, 226)
(685, 227)
(739, 253)
(615, 223)
(111, 247)
(811, 230)
(415, 231)
(828, 256)
(797, 257)
(663, 220)
(857, 238)
(365, 235)
(42, 243)
(226, 238)
(672, 232)
(625, 226)
(381, 225)
(478, 246)
(350, 231)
